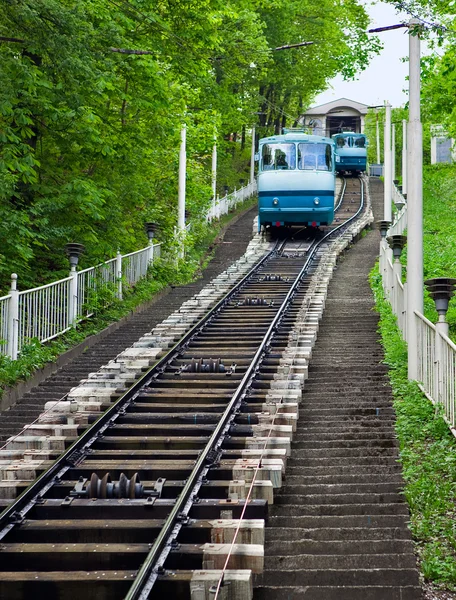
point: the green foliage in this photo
(439, 234)
(89, 132)
(428, 457)
(108, 309)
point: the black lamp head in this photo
(441, 289)
(151, 229)
(74, 251)
(396, 243)
(383, 226)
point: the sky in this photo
(384, 79)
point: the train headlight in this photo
(275, 201)
(316, 201)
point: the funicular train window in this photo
(360, 142)
(313, 157)
(278, 157)
(343, 142)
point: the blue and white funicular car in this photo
(351, 152)
(296, 180)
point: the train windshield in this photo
(351, 142)
(275, 157)
(343, 142)
(315, 157)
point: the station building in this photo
(335, 117)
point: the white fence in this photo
(50, 310)
(436, 352)
(222, 206)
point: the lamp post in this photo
(73, 252)
(396, 243)
(383, 227)
(151, 230)
(399, 203)
(441, 289)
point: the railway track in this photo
(167, 492)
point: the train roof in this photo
(296, 137)
(353, 133)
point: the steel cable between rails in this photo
(305, 309)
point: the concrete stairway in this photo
(338, 528)
(31, 405)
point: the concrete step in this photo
(336, 534)
(371, 592)
(325, 550)
(335, 560)
(348, 509)
(340, 479)
(342, 577)
(325, 499)
(347, 488)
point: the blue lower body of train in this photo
(295, 207)
(351, 163)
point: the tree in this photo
(94, 93)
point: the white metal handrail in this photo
(4, 311)
(50, 310)
(43, 312)
(426, 353)
(436, 352)
(222, 206)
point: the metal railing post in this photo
(73, 298)
(119, 293)
(13, 318)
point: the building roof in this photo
(324, 109)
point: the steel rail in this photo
(148, 573)
(25, 501)
(77, 452)
(344, 179)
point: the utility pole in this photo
(388, 183)
(181, 191)
(404, 158)
(214, 172)
(252, 157)
(393, 152)
(415, 202)
(377, 139)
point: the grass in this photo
(427, 447)
(428, 457)
(439, 233)
(200, 249)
